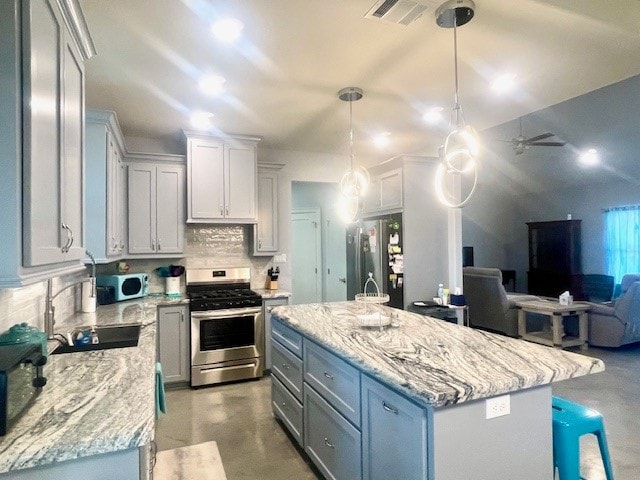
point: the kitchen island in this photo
(95, 416)
(421, 398)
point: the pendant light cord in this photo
(351, 133)
(456, 98)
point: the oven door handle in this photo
(229, 312)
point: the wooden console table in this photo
(556, 314)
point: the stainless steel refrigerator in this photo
(375, 246)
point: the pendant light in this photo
(355, 181)
(460, 150)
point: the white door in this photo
(205, 171)
(169, 210)
(306, 256)
(142, 208)
(335, 265)
(44, 235)
(72, 175)
(240, 189)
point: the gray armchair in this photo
(617, 323)
(490, 307)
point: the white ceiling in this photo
(284, 74)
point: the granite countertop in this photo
(267, 293)
(434, 362)
(93, 402)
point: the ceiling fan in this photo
(520, 143)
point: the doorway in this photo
(306, 259)
(326, 253)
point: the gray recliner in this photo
(490, 307)
(617, 323)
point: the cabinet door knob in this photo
(284, 365)
(221, 211)
(227, 210)
(328, 443)
(328, 375)
(153, 245)
(159, 246)
(259, 243)
(388, 408)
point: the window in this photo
(622, 240)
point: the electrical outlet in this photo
(498, 406)
(280, 258)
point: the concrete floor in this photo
(254, 446)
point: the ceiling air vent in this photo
(401, 12)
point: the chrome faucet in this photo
(50, 310)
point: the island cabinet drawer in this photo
(334, 379)
(286, 408)
(394, 434)
(287, 368)
(286, 336)
(332, 443)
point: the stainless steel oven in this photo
(227, 328)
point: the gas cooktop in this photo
(220, 289)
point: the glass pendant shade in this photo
(355, 181)
(349, 208)
(459, 153)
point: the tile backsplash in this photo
(206, 246)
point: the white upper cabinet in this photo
(105, 187)
(156, 207)
(265, 232)
(385, 193)
(221, 179)
(43, 44)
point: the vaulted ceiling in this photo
(283, 76)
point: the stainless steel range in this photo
(227, 329)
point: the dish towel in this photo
(161, 406)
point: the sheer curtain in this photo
(622, 240)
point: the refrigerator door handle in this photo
(359, 258)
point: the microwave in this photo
(21, 380)
(125, 287)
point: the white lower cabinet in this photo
(287, 368)
(267, 305)
(334, 379)
(173, 343)
(350, 425)
(332, 443)
(394, 434)
(286, 407)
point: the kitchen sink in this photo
(109, 336)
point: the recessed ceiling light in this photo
(201, 120)
(589, 158)
(212, 84)
(381, 140)
(227, 30)
(433, 115)
(504, 83)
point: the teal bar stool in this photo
(570, 422)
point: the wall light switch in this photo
(280, 258)
(498, 406)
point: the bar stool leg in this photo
(604, 453)
(567, 458)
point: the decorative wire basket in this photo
(371, 317)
